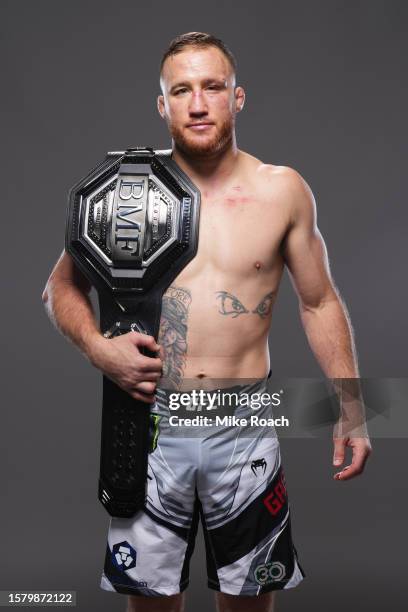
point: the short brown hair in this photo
(199, 40)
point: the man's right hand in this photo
(120, 359)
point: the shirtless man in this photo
(255, 219)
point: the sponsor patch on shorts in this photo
(273, 571)
(124, 555)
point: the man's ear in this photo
(239, 98)
(160, 105)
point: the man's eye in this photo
(179, 91)
(230, 304)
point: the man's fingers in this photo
(350, 471)
(357, 465)
(360, 456)
(150, 364)
(152, 376)
(144, 340)
(146, 387)
(339, 450)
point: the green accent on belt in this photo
(155, 418)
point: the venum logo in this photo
(258, 463)
(124, 555)
(273, 571)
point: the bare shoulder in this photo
(281, 183)
(288, 185)
(283, 177)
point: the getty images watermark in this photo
(200, 400)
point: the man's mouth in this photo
(199, 125)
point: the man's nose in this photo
(198, 105)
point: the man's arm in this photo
(323, 313)
(66, 298)
(67, 302)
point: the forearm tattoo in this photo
(173, 332)
(230, 305)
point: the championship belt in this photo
(132, 226)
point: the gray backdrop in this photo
(326, 94)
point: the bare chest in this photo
(240, 231)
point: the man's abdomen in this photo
(210, 332)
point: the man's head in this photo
(199, 97)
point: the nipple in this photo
(257, 265)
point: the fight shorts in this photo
(229, 475)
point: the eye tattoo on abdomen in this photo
(229, 304)
(173, 332)
(265, 305)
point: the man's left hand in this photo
(361, 451)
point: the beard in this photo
(203, 146)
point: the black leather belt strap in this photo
(125, 420)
